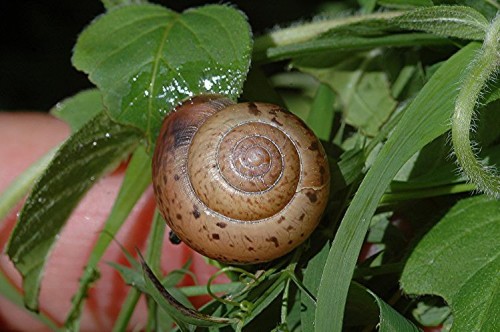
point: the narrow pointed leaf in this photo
(82, 159)
(181, 314)
(427, 117)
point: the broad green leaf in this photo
(137, 178)
(84, 157)
(459, 259)
(79, 109)
(390, 319)
(146, 58)
(426, 118)
(451, 21)
(363, 90)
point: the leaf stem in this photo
(482, 68)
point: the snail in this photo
(240, 183)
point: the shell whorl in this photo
(240, 183)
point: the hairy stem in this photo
(481, 70)
(306, 31)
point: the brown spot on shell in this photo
(281, 219)
(289, 228)
(176, 177)
(276, 121)
(314, 146)
(274, 240)
(215, 236)
(178, 216)
(302, 216)
(251, 249)
(312, 196)
(248, 239)
(221, 224)
(196, 213)
(253, 109)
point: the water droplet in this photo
(108, 135)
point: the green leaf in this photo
(146, 58)
(365, 301)
(426, 118)
(363, 90)
(23, 183)
(390, 319)
(335, 42)
(12, 294)
(79, 109)
(137, 178)
(320, 118)
(459, 260)
(360, 308)
(405, 3)
(83, 158)
(181, 314)
(312, 276)
(450, 21)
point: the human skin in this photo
(24, 138)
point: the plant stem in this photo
(307, 31)
(481, 70)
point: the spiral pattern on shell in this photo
(240, 183)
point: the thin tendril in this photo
(243, 274)
(484, 67)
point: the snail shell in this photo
(239, 183)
